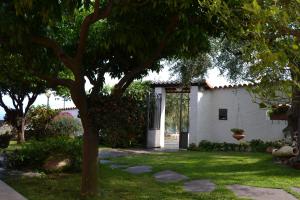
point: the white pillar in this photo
(162, 92)
(156, 138)
(193, 117)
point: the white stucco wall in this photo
(242, 113)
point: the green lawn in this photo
(222, 168)
(13, 145)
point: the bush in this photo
(33, 155)
(38, 119)
(64, 124)
(122, 122)
(4, 140)
(193, 147)
(253, 146)
(5, 135)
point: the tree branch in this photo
(31, 100)
(2, 104)
(87, 22)
(129, 77)
(54, 81)
(58, 51)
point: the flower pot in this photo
(279, 116)
(238, 136)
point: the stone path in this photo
(139, 169)
(7, 193)
(168, 176)
(105, 161)
(257, 193)
(295, 189)
(117, 166)
(199, 186)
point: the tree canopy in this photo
(21, 88)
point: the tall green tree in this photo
(90, 38)
(188, 69)
(262, 45)
(22, 90)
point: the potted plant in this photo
(279, 112)
(238, 133)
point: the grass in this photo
(13, 145)
(252, 169)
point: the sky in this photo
(213, 78)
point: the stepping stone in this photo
(168, 176)
(257, 193)
(295, 189)
(105, 161)
(139, 169)
(117, 166)
(199, 186)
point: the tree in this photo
(188, 69)
(263, 48)
(21, 89)
(88, 39)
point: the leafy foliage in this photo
(122, 122)
(260, 45)
(33, 155)
(126, 39)
(4, 140)
(64, 124)
(38, 120)
(256, 145)
(173, 112)
(278, 109)
(188, 69)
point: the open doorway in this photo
(176, 120)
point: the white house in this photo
(213, 112)
(71, 110)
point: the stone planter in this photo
(296, 165)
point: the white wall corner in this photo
(193, 117)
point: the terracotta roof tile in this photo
(62, 109)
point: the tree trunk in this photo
(294, 117)
(90, 142)
(21, 131)
(90, 159)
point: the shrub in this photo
(257, 145)
(122, 122)
(38, 119)
(192, 147)
(64, 124)
(5, 135)
(253, 146)
(4, 140)
(34, 154)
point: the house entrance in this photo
(176, 120)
